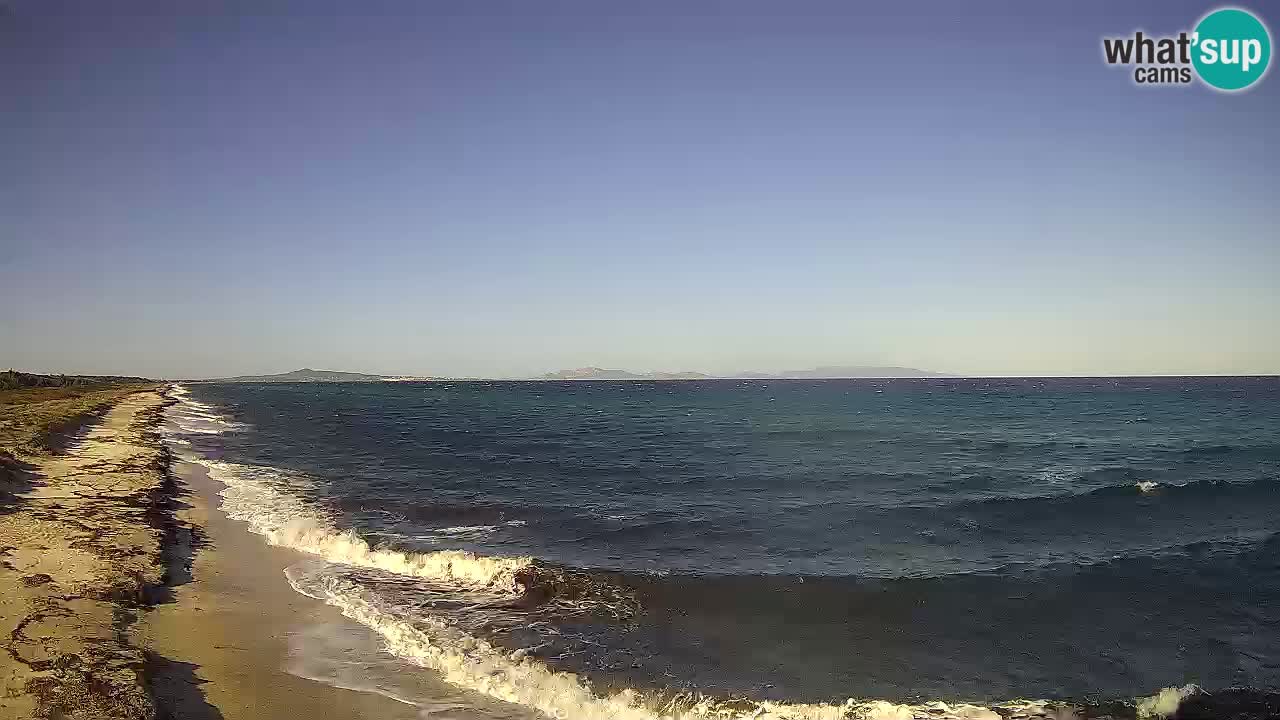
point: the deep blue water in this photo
(815, 540)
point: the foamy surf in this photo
(285, 520)
(251, 494)
(259, 496)
(196, 418)
(469, 662)
(1164, 703)
(475, 664)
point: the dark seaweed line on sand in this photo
(70, 686)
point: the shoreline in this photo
(224, 647)
(260, 494)
(125, 594)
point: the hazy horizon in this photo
(773, 374)
(508, 189)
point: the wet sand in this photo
(235, 641)
(222, 647)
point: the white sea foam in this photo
(1146, 486)
(466, 661)
(284, 519)
(1057, 475)
(192, 417)
(1166, 702)
(467, 530)
(260, 497)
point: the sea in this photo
(871, 548)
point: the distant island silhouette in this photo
(826, 372)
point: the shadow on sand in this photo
(177, 690)
(175, 685)
(180, 540)
(16, 477)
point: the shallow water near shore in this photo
(237, 643)
(723, 548)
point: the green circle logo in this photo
(1232, 49)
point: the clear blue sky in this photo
(485, 188)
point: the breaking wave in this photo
(1195, 490)
(464, 660)
(251, 494)
(193, 417)
(260, 497)
(286, 520)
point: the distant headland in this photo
(309, 375)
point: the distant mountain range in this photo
(831, 372)
(827, 372)
(309, 375)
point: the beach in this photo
(125, 595)
(646, 361)
(220, 649)
(82, 533)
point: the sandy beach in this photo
(125, 594)
(221, 648)
(82, 535)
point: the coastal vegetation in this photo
(16, 380)
(35, 410)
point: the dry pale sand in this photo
(80, 550)
(220, 649)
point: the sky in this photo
(507, 188)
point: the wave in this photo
(1064, 485)
(1136, 489)
(466, 530)
(511, 676)
(258, 495)
(466, 661)
(193, 417)
(444, 512)
(286, 520)
(1165, 702)
(252, 494)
